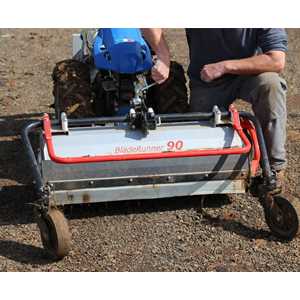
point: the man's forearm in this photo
(270, 62)
(155, 38)
(161, 69)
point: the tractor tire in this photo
(72, 89)
(170, 96)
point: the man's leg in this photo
(204, 96)
(267, 94)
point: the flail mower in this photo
(121, 140)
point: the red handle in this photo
(108, 158)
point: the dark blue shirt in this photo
(216, 44)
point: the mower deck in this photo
(142, 179)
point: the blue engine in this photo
(121, 50)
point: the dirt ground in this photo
(164, 235)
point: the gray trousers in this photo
(266, 93)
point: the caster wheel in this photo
(283, 217)
(55, 234)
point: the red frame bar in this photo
(246, 124)
(125, 157)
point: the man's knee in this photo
(270, 95)
(271, 82)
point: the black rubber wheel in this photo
(55, 234)
(170, 96)
(283, 217)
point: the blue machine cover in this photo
(122, 50)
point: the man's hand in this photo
(211, 72)
(160, 71)
(272, 61)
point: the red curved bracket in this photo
(246, 124)
(124, 157)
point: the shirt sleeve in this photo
(269, 39)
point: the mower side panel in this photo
(54, 172)
(118, 193)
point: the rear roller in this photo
(282, 216)
(55, 234)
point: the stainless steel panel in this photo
(147, 192)
(104, 140)
(207, 165)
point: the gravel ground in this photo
(164, 235)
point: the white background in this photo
(154, 13)
(142, 13)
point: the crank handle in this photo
(148, 86)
